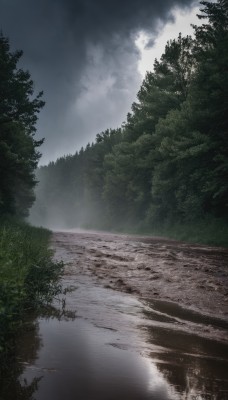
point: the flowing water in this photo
(117, 346)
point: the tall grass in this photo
(29, 277)
(209, 231)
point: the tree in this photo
(162, 90)
(191, 178)
(209, 98)
(169, 161)
(18, 148)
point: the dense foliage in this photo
(18, 147)
(28, 277)
(168, 164)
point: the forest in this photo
(165, 170)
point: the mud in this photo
(193, 277)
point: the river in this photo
(119, 339)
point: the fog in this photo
(111, 77)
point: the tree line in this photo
(168, 162)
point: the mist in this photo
(148, 174)
(83, 190)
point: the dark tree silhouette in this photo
(18, 148)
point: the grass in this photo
(210, 231)
(29, 278)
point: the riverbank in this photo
(29, 278)
(205, 231)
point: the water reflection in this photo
(16, 384)
(194, 366)
(111, 351)
(87, 362)
(12, 386)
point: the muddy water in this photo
(118, 345)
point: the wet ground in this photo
(148, 321)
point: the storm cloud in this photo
(82, 53)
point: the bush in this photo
(29, 278)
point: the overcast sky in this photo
(89, 57)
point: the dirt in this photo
(154, 269)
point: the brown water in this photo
(120, 347)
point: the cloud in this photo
(82, 53)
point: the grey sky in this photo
(82, 53)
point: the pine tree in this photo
(18, 147)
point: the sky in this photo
(89, 57)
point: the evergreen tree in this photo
(18, 148)
(169, 161)
(191, 178)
